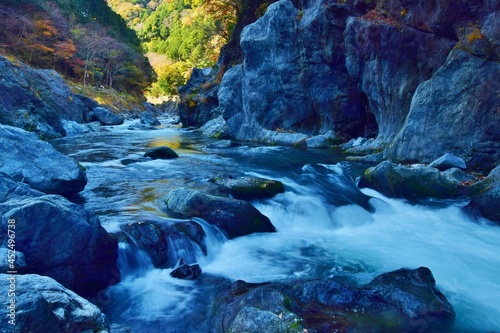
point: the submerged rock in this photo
(43, 305)
(404, 300)
(418, 182)
(161, 153)
(249, 188)
(58, 238)
(107, 117)
(448, 161)
(222, 144)
(186, 272)
(28, 159)
(235, 217)
(486, 198)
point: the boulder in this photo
(405, 300)
(216, 128)
(148, 118)
(166, 243)
(455, 111)
(448, 161)
(43, 305)
(28, 159)
(186, 272)
(417, 182)
(58, 238)
(106, 117)
(234, 217)
(36, 99)
(486, 198)
(162, 152)
(249, 188)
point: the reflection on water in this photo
(326, 227)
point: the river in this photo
(321, 230)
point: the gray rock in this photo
(36, 100)
(216, 128)
(418, 182)
(43, 305)
(148, 118)
(186, 272)
(74, 128)
(28, 159)
(161, 153)
(58, 238)
(388, 78)
(235, 217)
(486, 198)
(448, 161)
(408, 297)
(249, 188)
(464, 89)
(167, 243)
(106, 117)
(321, 141)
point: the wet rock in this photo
(403, 300)
(249, 188)
(28, 159)
(417, 182)
(486, 198)
(58, 238)
(167, 243)
(448, 161)
(222, 144)
(36, 100)
(186, 272)
(161, 153)
(234, 217)
(148, 118)
(216, 128)
(440, 116)
(43, 305)
(106, 117)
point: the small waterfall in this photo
(214, 238)
(132, 261)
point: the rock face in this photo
(58, 238)
(418, 182)
(36, 100)
(400, 301)
(293, 77)
(455, 111)
(161, 240)
(486, 199)
(27, 159)
(249, 188)
(43, 305)
(235, 217)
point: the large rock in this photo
(58, 238)
(448, 161)
(417, 182)
(107, 117)
(388, 78)
(234, 217)
(486, 198)
(167, 243)
(249, 188)
(43, 305)
(293, 78)
(455, 111)
(400, 301)
(148, 118)
(36, 100)
(28, 159)
(162, 152)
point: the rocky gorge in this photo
(137, 225)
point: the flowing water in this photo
(325, 227)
